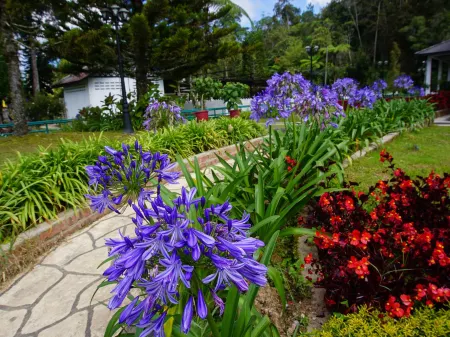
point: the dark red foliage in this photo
(388, 249)
(441, 99)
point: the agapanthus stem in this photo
(293, 131)
(270, 141)
(212, 325)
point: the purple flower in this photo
(173, 245)
(378, 86)
(403, 82)
(122, 175)
(154, 328)
(161, 114)
(364, 97)
(417, 91)
(100, 202)
(345, 88)
(289, 94)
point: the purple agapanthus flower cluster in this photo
(324, 102)
(378, 86)
(279, 99)
(120, 176)
(289, 94)
(417, 91)
(364, 98)
(161, 114)
(345, 88)
(181, 254)
(403, 82)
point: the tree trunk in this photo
(15, 84)
(355, 19)
(34, 70)
(376, 34)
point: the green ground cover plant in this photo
(372, 323)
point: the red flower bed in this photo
(389, 248)
(441, 99)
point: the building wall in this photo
(76, 97)
(93, 91)
(101, 87)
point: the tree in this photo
(287, 13)
(11, 53)
(394, 64)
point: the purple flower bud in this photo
(202, 309)
(187, 316)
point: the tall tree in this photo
(11, 53)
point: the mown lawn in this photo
(9, 146)
(417, 153)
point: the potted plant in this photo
(232, 94)
(203, 89)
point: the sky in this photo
(257, 8)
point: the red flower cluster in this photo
(378, 248)
(361, 267)
(291, 163)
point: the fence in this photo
(189, 114)
(36, 124)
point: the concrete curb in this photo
(72, 220)
(372, 146)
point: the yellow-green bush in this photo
(424, 322)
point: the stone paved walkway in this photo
(54, 298)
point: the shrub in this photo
(389, 248)
(232, 94)
(44, 107)
(371, 323)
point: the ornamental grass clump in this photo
(389, 248)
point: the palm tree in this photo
(236, 10)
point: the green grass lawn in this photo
(9, 146)
(417, 153)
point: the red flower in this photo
(355, 237)
(421, 292)
(406, 184)
(406, 300)
(385, 156)
(335, 220)
(365, 237)
(360, 267)
(308, 258)
(398, 173)
(348, 204)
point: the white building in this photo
(86, 90)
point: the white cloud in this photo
(320, 3)
(255, 9)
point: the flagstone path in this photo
(54, 298)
